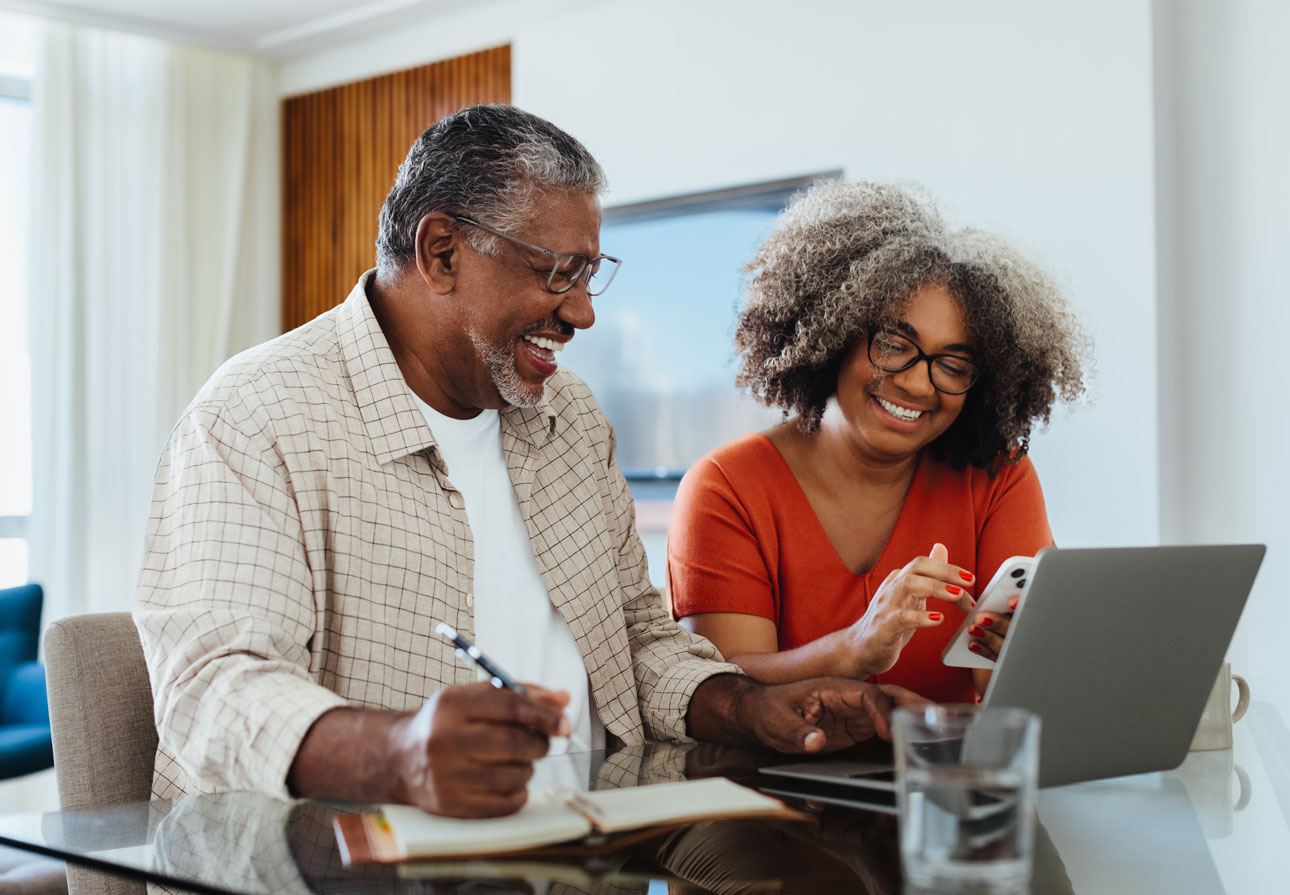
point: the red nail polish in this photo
(974, 646)
(1012, 604)
(975, 631)
(985, 622)
(966, 576)
(954, 589)
(934, 616)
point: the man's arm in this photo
(225, 606)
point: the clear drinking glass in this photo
(966, 780)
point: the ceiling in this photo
(274, 28)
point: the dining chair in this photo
(105, 740)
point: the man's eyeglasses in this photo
(596, 272)
(891, 352)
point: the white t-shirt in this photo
(515, 623)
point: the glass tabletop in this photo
(1219, 823)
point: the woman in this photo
(911, 363)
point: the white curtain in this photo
(154, 258)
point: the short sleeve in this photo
(716, 561)
(1015, 521)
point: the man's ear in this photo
(438, 248)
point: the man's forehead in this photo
(565, 221)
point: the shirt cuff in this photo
(285, 710)
(669, 699)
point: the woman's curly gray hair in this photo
(843, 261)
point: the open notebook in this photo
(560, 816)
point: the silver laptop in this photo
(1116, 650)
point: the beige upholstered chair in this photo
(100, 710)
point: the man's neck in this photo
(400, 313)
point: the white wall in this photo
(1031, 119)
(1225, 299)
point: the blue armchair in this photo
(25, 744)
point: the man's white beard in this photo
(501, 367)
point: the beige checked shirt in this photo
(305, 537)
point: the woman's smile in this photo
(899, 412)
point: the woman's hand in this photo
(990, 629)
(899, 608)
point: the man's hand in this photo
(815, 715)
(468, 752)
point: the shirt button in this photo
(457, 501)
(470, 601)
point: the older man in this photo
(415, 456)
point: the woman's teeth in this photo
(900, 413)
(548, 344)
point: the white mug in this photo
(1215, 728)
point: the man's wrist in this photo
(350, 754)
(720, 710)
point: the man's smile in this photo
(542, 342)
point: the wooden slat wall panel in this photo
(341, 150)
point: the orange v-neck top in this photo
(744, 538)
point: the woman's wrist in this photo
(852, 655)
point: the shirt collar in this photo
(390, 414)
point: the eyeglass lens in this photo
(569, 267)
(893, 353)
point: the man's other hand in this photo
(815, 715)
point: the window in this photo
(15, 365)
(661, 359)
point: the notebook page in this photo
(613, 810)
(542, 821)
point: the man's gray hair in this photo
(484, 162)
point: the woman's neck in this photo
(850, 459)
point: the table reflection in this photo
(251, 843)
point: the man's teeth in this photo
(900, 413)
(548, 344)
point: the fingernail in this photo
(976, 631)
(986, 622)
(966, 576)
(934, 616)
(953, 589)
(1012, 604)
(974, 646)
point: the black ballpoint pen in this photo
(496, 676)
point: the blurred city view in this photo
(660, 358)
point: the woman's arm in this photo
(751, 642)
(870, 645)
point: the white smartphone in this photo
(1009, 581)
